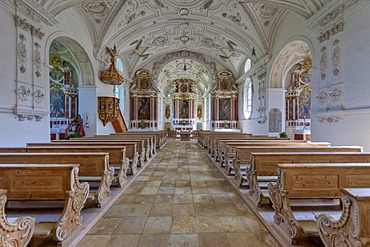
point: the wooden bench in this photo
(93, 167)
(312, 181)
(231, 153)
(161, 136)
(353, 224)
(149, 140)
(227, 150)
(264, 166)
(244, 154)
(117, 155)
(19, 232)
(204, 137)
(139, 147)
(135, 160)
(46, 183)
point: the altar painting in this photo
(184, 109)
(305, 103)
(144, 108)
(225, 109)
(57, 102)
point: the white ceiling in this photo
(222, 32)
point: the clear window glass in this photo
(247, 96)
(119, 65)
(248, 65)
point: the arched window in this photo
(247, 96)
(248, 65)
(119, 65)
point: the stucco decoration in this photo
(275, 120)
(38, 96)
(323, 62)
(23, 93)
(337, 28)
(261, 97)
(82, 59)
(157, 66)
(295, 50)
(37, 59)
(22, 53)
(98, 10)
(336, 57)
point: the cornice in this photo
(46, 17)
(334, 11)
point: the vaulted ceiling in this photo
(221, 33)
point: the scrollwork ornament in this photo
(38, 96)
(23, 93)
(22, 53)
(37, 60)
(323, 62)
(336, 57)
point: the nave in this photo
(179, 199)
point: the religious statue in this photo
(77, 125)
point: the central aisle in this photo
(179, 199)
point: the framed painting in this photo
(224, 109)
(184, 109)
(144, 108)
(57, 102)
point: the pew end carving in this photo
(351, 229)
(18, 233)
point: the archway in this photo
(291, 74)
(70, 75)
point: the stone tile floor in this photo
(180, 199)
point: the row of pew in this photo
(44, 187)
(317, 193)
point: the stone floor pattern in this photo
(179, 199)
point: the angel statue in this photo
(113, 54)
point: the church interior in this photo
(184, 123)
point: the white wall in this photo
(354, 120)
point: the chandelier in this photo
(111, 75)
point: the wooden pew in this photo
(46, 183)
(149, 141)
(244, 154)
(142, 143)
(214, 138)
(139, 149)
(265, 164)
(204, 137)
(18, 233)
(92, 167)
(161, 136)
(312, 181)
(117, 155)
(135, 160)
(228, 151)
(232, 156)
(353, 224)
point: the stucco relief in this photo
(157, 66)
(38, 96)
(37, 59)
(23, 93)
(98, 10)
(323, 62)
(336, 57)
(22, 53)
